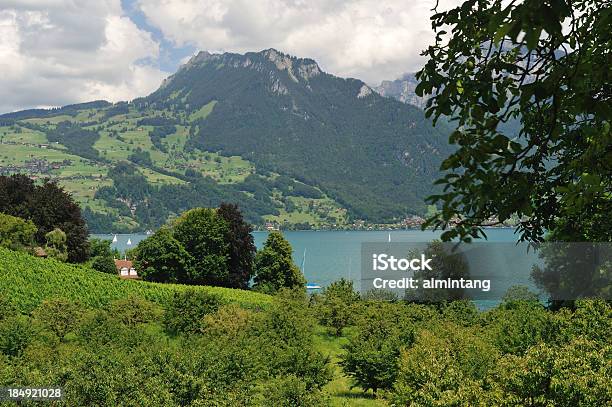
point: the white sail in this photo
(115, 239)
(129, 242)
(389, 236)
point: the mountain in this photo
(402, 89)
(287, 141)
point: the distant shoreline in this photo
(313, 230)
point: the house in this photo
(40, 252)
(271, 226)
(126, 269)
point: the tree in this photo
(102, 257)
(186, 311)
(573, 270)
(543, 65)
(446, 366)
(241, 246)
(58, 315)
(102, 247)
(162, 258)
(16, 233)
(104, 264)
(56, 245)
(336, 307)
(371, 357)
(274, 267)
(445, 264)
(574, 374)
(48, 206)
(202, 232)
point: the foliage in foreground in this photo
(514, 355)
(545, 65)
(121, 355)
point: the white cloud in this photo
(369, 39)
(55, 52)
(58, 52)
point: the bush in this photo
(186, 311)
(16, 233)
(104, 264)
(58, 315)
(335, 307)
(16, 333)
(56, 245)
(133, 310)
(291, 391)
(577, 374)
(372, 354)
(446, 365)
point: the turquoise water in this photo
(326, 256)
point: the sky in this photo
(58, 52)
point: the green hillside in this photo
(26, 281)
(273, 133)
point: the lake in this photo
(326, 256)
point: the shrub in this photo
(187, 309)
(104, 264)
(16, 233)
(56, 244)
(291, 391)
(445, 366)
(58, 315)
(335, 307)
(16, 333)
(134, 310)
(371, 357)
(577, 374)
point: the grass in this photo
(340, 386)
(26, 281)
(22, 135)
(203, 112)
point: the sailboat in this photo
(389, 236)
(309, 286)
(115, 239)
(129, 243)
